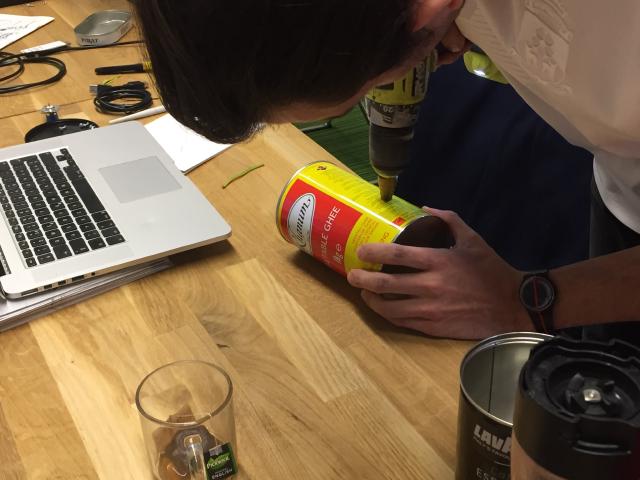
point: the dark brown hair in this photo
(223, 66)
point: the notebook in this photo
(81, 205)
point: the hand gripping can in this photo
(329, 212)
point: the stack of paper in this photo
(19, 311)
(187, 148)
(14, 27)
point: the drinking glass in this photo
(186, 413)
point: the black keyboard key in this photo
(41, 211)
(10, 214)
(52, 199)
(69, 227)
(27, 253)
(100, 216)
(78, 212)
(34, 234)
(47, 158)
(92, 234)
(53, 233)
(13, 221)
(70, 199)
(88, 196)
(73, 235)
(23, 211)
(67, 191)
(109, 232)
(45, 218)
(115, 239)
(41, 250)
(23, 244)
(20, 205)
(49, 226)
(38, 204)
(63, 185)
(74, 205)
(65, 220)
(27, 219)
(85, 227)
(19, 237)
(65, 152)
(34, 197)
(6, 206)
(30, 227)
(46, 258)
(83, 219)
(37, 242)
(106, 224)
(31, 262)
(17, 229)
(63, 212)
(97, 243)
(55, 242)
(62, 251)
(74, 174)
(78, 246)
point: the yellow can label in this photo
(329, 212)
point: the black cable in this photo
(122, 99)
(20, 60)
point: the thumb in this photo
(459, 229)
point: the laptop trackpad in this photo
(138, 179)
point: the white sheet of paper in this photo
(187, 148)
(14, 27)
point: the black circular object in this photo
(59, 127)
(577, 411)
(537, 293)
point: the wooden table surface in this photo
(324, 388)
(74, 87)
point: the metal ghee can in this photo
(329, 212)
(488, 384)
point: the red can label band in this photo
(329, 212)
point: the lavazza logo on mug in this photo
(500, 446)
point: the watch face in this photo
(537, 293)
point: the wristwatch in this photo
(537, 294)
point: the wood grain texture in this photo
(324, 388)
(74, 87)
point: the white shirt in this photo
(577, 64)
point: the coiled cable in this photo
(20, 60)
(122, 99)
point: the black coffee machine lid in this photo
(577, 411)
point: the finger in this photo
(395, 310)
(394, 254)
(459, 229)
(378, 282)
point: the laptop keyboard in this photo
(52, 210)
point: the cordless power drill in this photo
(393, 111)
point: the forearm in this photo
(599, 290)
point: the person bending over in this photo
(225, 68)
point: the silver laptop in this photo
(80, 205)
